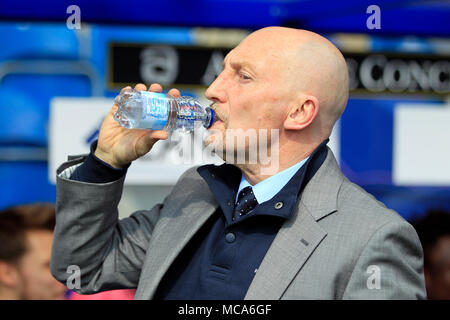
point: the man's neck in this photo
(255, 173)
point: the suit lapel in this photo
(299, 236)
(292, 246)
(170, 236)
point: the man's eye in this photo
(244, 76)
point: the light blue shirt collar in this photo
(268, 188)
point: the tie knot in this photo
(246, 201)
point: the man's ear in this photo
(9, 275)
(302, 114)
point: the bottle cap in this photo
(211, 121)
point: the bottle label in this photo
(156, 110)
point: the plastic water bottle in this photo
(157, 111)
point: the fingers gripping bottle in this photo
(157, 111)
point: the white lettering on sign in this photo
(399, 75)
(159, 64)
(214, 68)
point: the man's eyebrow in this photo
(243, 64)
(238, 64)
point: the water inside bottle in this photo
(130, 114)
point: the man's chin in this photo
(216, 124)
(215, 143)
(214, 137)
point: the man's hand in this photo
(119, 146)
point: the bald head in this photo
(311, 65)
(293, 81)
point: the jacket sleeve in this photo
(390, 266)
(108, 253)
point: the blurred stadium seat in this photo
(41, 61)
(24, 182)
(23, 121)
(31, 41)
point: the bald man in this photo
(300, 230)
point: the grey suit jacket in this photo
(340, 243)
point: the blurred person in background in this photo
(434, 233)
(26, 235)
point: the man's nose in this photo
(215, 91)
